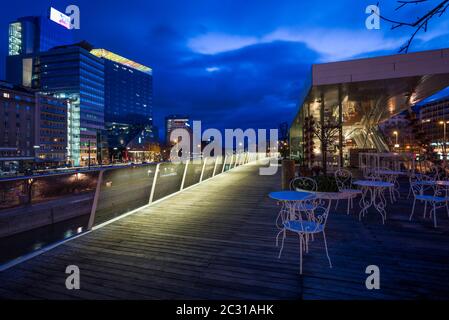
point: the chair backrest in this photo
(387, 177)
(303, 183)
(417, 188)
(438, 172)
(321, 210)
(343, 178)
(439, 191)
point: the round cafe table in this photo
(391, 172)
(289, 201)
(372, 196)
(392, 176)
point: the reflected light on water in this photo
(68, 234)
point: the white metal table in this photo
(290, 201)
(372, 196)
(393, 177)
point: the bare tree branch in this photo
(404, 3)
(421, 23)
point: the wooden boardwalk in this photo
(216, 241)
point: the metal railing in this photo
(32, 209)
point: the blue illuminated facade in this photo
(71, 72)
(128, 94)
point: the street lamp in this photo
(444, 138)
(396, 134)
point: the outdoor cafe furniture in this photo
(290, 200)
(373, 196)
(386, 174)
(343, 178)
(437, 199)
(304, 184)
(315, 224)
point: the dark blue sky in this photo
(233, 63)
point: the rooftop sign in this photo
(60, 18)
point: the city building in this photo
(17, 128)
(33, 129)
(344, 103)
(28, 36)
(51, 131)
(128, 89)
(433, 117)
(71, 72)
(128, 99)
(173, 122)
(123, 137)
(398, 132)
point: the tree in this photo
(419, 24)
(328, 135)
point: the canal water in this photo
(18, 245)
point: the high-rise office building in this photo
(31, 35)
(71, 72)
(128, 102)
(173, 122)
(128, 89)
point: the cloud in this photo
(331, 44)
(257, 86)
(212, 69)
(213, 43)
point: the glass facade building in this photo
(71, 72)
(344, 103)
(128, 100)
(128, 89)
(27, 37)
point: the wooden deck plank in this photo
(216, 241)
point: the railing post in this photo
(215, 167)
(235, 162)
(184, 175)
(202, 170)
(224, 163)
(153, 186)
(95, 202)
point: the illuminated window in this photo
(15, 39)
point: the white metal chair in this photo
(394, 190)
(315, 224)
(343, 179)
(437, 199)
(303, 184)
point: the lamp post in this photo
(444, 138)
(396, 135)
(88, 156)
